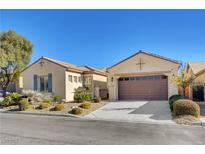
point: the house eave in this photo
(143, 73)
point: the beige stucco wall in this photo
(58, 77)
(200, 78)
(61, 86)
(71, 86)
(152, 64)
(99, 78)
(97, 82)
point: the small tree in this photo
(182, 80)
(15, 52)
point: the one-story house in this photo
(143, 76)
(195, 71)
(61, 79)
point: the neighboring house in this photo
(61, 79)
(143, 76)
(196, 72)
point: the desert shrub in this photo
(1, 100)
(23, 105)
(86, 105)
(59, 107)
(77, 111)
(186, 107)
(37, 96)
(81, 95)
(173, 99)
(48, 101)
(56, 99)
(98, 100)
(44, 105)
(12, 99)
(29, 93)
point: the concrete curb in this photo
(128, 121)
(199, 123)
(41, 114)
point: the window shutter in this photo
(50, 82)
(35, 82)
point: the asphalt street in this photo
(32, 129)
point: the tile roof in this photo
(79, 68)
(67, 65)
(197, 67)
(93, 69)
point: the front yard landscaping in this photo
(43, 103)
(184, 111)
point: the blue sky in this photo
(101, 38)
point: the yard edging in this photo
(199, 123)
(41, 114)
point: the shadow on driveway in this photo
(134, 111)
(158, 109)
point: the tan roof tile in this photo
(79, 68)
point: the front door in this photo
(198, 93)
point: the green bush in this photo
(98, 100)
(44, 105)
(56, 99)
(170, 98)
(82, 95)
(77, 111)
(59, 107)
(86, 105)
(186, 107)
(173, 99)
(12, 99)
(23, 105)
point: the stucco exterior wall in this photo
(151, 66)
(200, 78)
(61, 86)
(58, 77)
(71, 86)
(99, 78)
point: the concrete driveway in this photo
(134, 111)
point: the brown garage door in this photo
(143, 88)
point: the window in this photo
(121, 79)
(79, 79)
(70, 78)
(43, 83)
(142, 78)
(126, 79)
(87, 80)
(75, 79)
